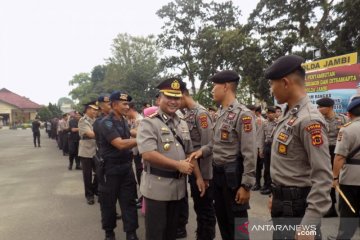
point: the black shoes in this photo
(331, 213)
(110, 235)
(256, 187)
(181, 233)
(265, 191)
(90, 201)
(131, 236)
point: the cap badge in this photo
(123, 96)
(175, 85)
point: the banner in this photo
(337, 61)
(339, 83)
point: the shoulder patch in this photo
(315, 134)
(203, 120)
(347, 124)
(153, 115)
(246, 120)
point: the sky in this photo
(43, 43)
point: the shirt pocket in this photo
(226, 133)
(282, 142)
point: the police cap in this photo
(325, 102)
(225, 76)
(353, 104)
(92, 105)
(284, 66)
(171, 87)
(102, 98)
(120, 96)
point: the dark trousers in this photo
(73, 153)
(138, 167)
(259, 167)
(267, 160)
(60, 140)
(226, 208)
(65, 143)
(120, 188)
(161, 219)
(332, 156)
(349, 221)
(204, 209)
(184, 212)
(36, 138)
(90, 182)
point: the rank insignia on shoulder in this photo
(165, 129)
(347, 124)
(153, 115)
(231, 115)
(203, 120)
(282, 149)
(247, 123)
(292, 120)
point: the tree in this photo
(49, 112)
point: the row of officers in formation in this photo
(307, 152)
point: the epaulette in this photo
(347, 124)
(153, 115)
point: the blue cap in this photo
(103, 99)
(353, 104)
(284, 66)
(120, 96)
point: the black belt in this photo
(290, 193)
(353, 161)
(163, 173)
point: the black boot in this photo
(131, 236)
(109, 235)
(256, 187)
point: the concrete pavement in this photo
(41, 199)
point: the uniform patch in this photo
(339, 137)
(109, 124)
(247, 123)
(166, 146)
(316, 138)
(292, 120)
(224, 135)
(203, 120)
(282, 149)
(231, 115)
(283, 137)
(313, 127)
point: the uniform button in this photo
(167, 139)
(177, 144)
(159, 178)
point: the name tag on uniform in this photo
(283, 137)
(231, 115)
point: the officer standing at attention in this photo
(300, 161)
(87, 150)
(35, 127)
(268, 127)
(164, 140)
(119, 183)
(74, 139)
(346, 171)
(200, 126)
(234, 152)
(335, 122)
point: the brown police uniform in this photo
(163, 188)
(300, 161)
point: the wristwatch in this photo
(247, 187)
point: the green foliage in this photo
(49, 112)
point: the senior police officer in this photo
(300, 161)
(200, 126)
(164, 140)
(335, 121)
(234, 152)
(346, 171)
(268, 127)
(119, 183)
(87, 150)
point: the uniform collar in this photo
(166, 118)
(357, 119)
(298, 106)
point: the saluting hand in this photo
(184, 166)
(195, 155)
(242, 196)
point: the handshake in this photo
(186, 166)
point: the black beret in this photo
(171, 87)
(225, 76)
(271, 109)
(120, 96)
(325, 102)
(92, 105)
(353, 104)
(284, 66)
(103, 99)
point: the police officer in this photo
(335, 121)
(35, 127)
(164, 140)
(87, 150)
(200, 126)
(115, 149)
(234, 155)
(268, 127)
(74, 139)
(346, 171)
(300, 161)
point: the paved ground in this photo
(41, 199)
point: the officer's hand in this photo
(201, 186)
(184, 166)
(195, 155)
(242, 196)
(133, 133)
(335, 183)
(207, 184)
(270, 204)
